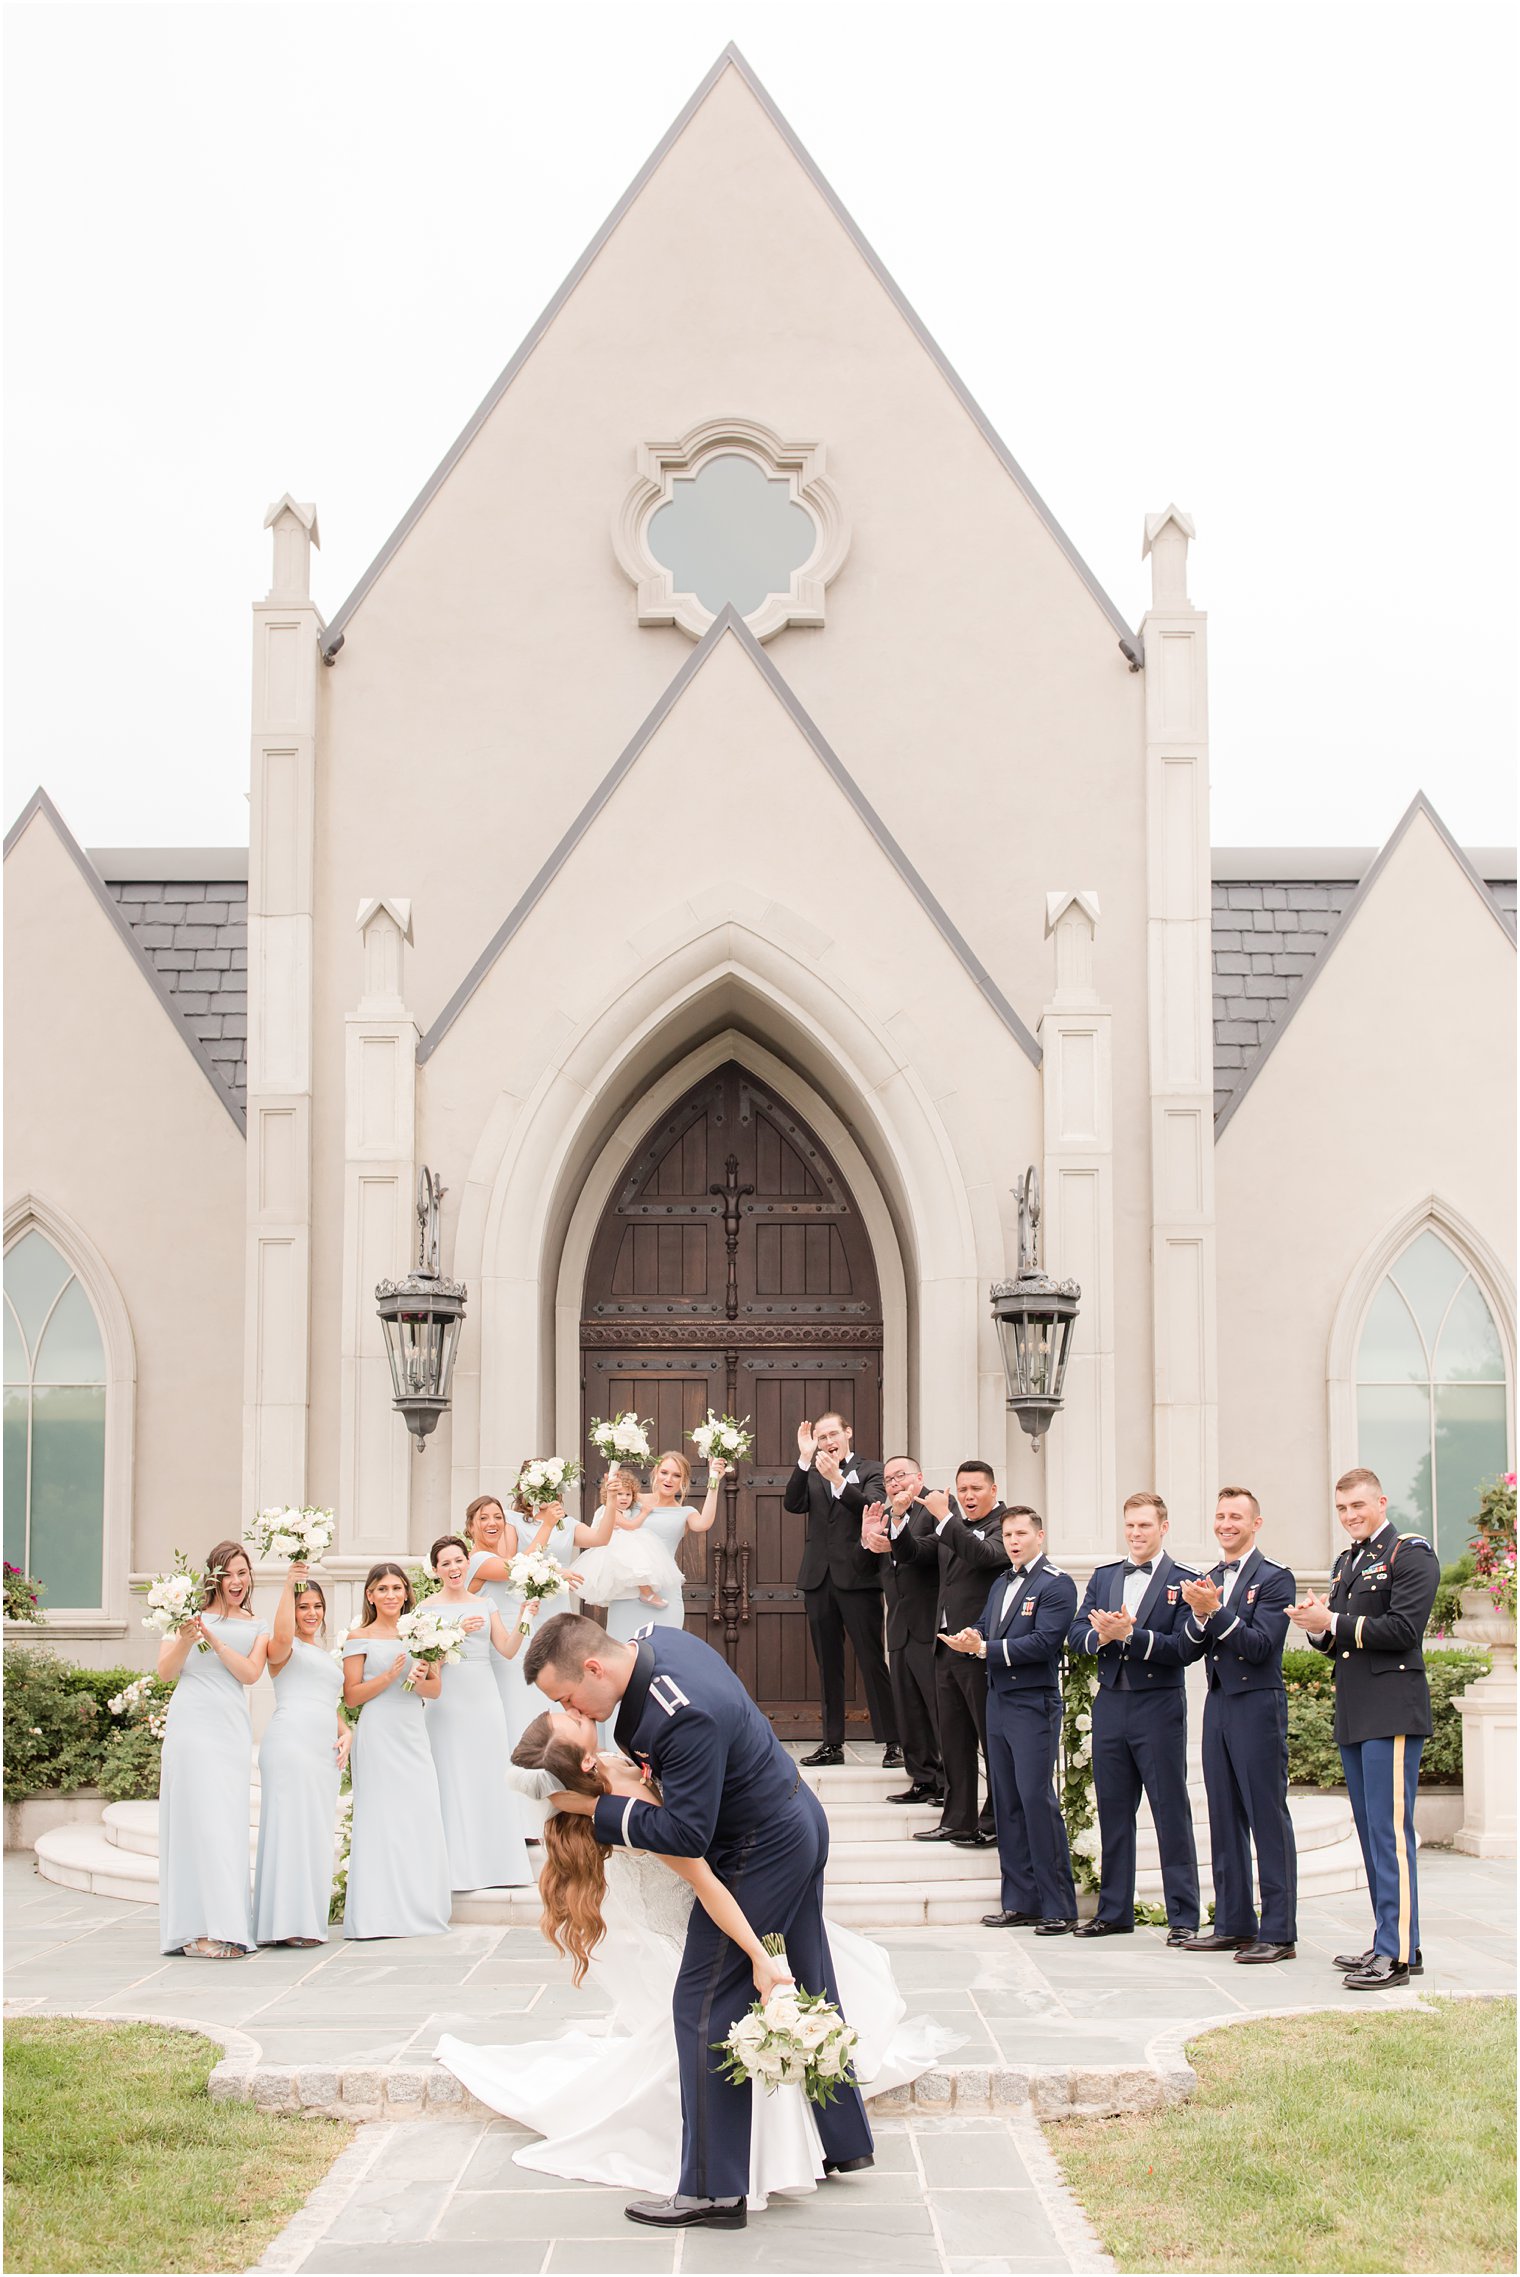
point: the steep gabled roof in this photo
(731, 60)
(730, 623)
(1258, 1006)
(184, 1022)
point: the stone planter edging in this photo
(426, 2091)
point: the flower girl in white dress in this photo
(637, 1561)
(608, 2107)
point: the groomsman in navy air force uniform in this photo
(1134, 1618)
(1238, 1615)
(731, 1794)
(1021, 1636)
(1371, 1624)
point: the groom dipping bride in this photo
(731, 1795)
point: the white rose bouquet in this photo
(432, 1635)
(175, 1598)
(534, 1576)
(791, 2039)
(299, 1535)
(624, 1440)
(721, 1435)
(545, 1479)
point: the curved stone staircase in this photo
(877, 1878)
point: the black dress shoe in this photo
(1180, 1936)
(937, 1834)
(1055, 1926)
(975, 1841)
(824, 1758)
(1360, 1960)
(891, 1758)
(689, 2213)
(1262, 1949)
(1381, 1974)
(1212, 1942)
(1009, 1920)
(917, 1795)
(848, 2165)
(1104, 1929)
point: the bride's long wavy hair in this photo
(573, 1883)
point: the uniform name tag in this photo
(668, 1694)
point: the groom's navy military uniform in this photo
(731, 1794)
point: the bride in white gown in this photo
(607, 2102)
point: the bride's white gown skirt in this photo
(608, 2103)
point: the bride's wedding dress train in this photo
(607, 2102)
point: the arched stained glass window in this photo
(55, 1425)
(1432, 1394)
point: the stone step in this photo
(852, 1863)
(134, 1827)
(81, 1858)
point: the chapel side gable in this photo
(732, 63)
(40, 813)
(1357, 1002)
(915, 889)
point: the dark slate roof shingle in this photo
(195, 934)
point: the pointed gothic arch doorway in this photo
(731, 1269)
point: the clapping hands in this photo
(1114, 1627)
(874, 1534)
(1202, 1596)
(1313, 1616)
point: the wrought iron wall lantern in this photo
(421, 1315)
(1035, 1317)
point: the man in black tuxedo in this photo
(912, 1593)
(840, 1579)
(967, 1549)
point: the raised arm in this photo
(690, 1772)
(176, 1649)
(701, 1521)
(282, 1635)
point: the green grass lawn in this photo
(115, 2160)
(1333, 2142)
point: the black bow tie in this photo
(1138, 1568)
(1232, 1567)
(1019, 1572)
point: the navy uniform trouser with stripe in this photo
(1245, 1775)
(1023, 1735)
(776, 1875)
(1381, 1778)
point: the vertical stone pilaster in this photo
(379, 1234)
(1185, 1387)
(277, 1297)
(1077, 1078)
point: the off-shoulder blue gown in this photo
(398, 1861)
(298, 1799)
(204, 1796)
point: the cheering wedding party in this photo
(759, 1251)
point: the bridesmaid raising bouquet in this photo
(301, 1759)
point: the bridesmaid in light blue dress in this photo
(482, 1817)
(205, 1790)
(493, 1539)
(301, 1759)
(398, 1861)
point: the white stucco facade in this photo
(922, 842)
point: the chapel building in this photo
(728, 835)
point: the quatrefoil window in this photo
(730, 516)
(731, 533)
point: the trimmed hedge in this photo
(1314, 1760)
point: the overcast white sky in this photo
(1258, 259)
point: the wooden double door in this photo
(731, 1271)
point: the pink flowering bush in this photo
(1493, 1545)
